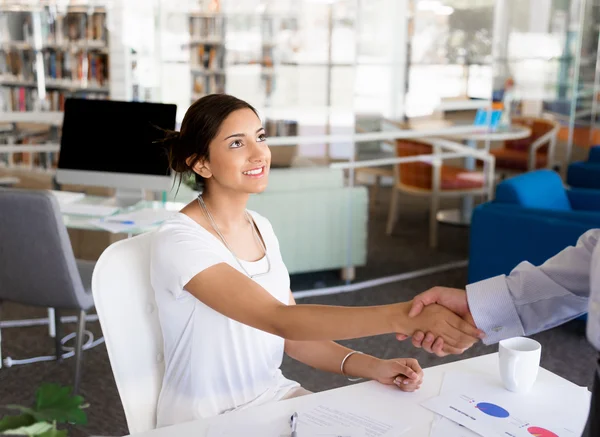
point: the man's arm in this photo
(529, 300)
(533, 299)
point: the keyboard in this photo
(88, 210)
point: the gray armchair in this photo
(37, 265)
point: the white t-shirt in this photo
(213, 364)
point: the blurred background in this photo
(344, 88)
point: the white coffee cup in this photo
(519, 363)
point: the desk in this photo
(83, 222)
(463, 215)
(388, 401)
(8, 181)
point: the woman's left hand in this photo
(404, 373)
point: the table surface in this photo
(83, 222)
(389, 401)
(502, 133)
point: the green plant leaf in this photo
(49, 395)
(13, 422)
(34, 429)
(55, 403)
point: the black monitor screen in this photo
(113, 136)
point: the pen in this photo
(123, 222)
(293, 423)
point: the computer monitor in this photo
(110, 143)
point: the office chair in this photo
(423, 179)
(528, 154)
(585, 174)
(532, 218)
(37, 265)
(129, 319)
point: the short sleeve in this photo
(179, 253)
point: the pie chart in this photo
(494, 411)
(540, 432)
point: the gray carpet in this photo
(565, 349)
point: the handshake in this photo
(439, 321)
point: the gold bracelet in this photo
(342, 365)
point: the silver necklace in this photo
(256, 237)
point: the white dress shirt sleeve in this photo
(532, 299)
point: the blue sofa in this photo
(585, 174)
(532, 218)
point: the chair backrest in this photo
(538, 126)
(129, 319)
(594, 155)
(37, 265)
(541, 189)
(414, 174)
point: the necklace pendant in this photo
(254, 233)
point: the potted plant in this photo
(54, 404)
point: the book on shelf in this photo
(208, 84)
(206, 28)
(207, 53)
(207, 59)
(55, 28)
(73, 51)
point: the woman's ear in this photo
(202, 168)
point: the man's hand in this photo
(456, 333)
(452, 298)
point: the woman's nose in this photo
(259, 152)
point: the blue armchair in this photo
(532, 218)
(585, 174)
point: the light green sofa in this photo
(320, 223)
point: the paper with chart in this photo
(443, 427)
(481, 404)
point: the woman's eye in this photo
(236, 144)
(262, 137)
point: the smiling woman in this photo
(222, 288)
(189, 151)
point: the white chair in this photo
(129, 319)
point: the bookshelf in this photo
(207, 53)
(48, 52)
(47, 55)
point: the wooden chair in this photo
(435, 181)
(532, 153)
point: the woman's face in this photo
(239, 156)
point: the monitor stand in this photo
(125, 197)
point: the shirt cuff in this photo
(493, 309)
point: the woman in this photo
(222, 289)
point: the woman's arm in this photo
(236, 296)
(327, 355)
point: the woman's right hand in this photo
(458, 334)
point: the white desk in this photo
(388, 401)
(83, 222)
